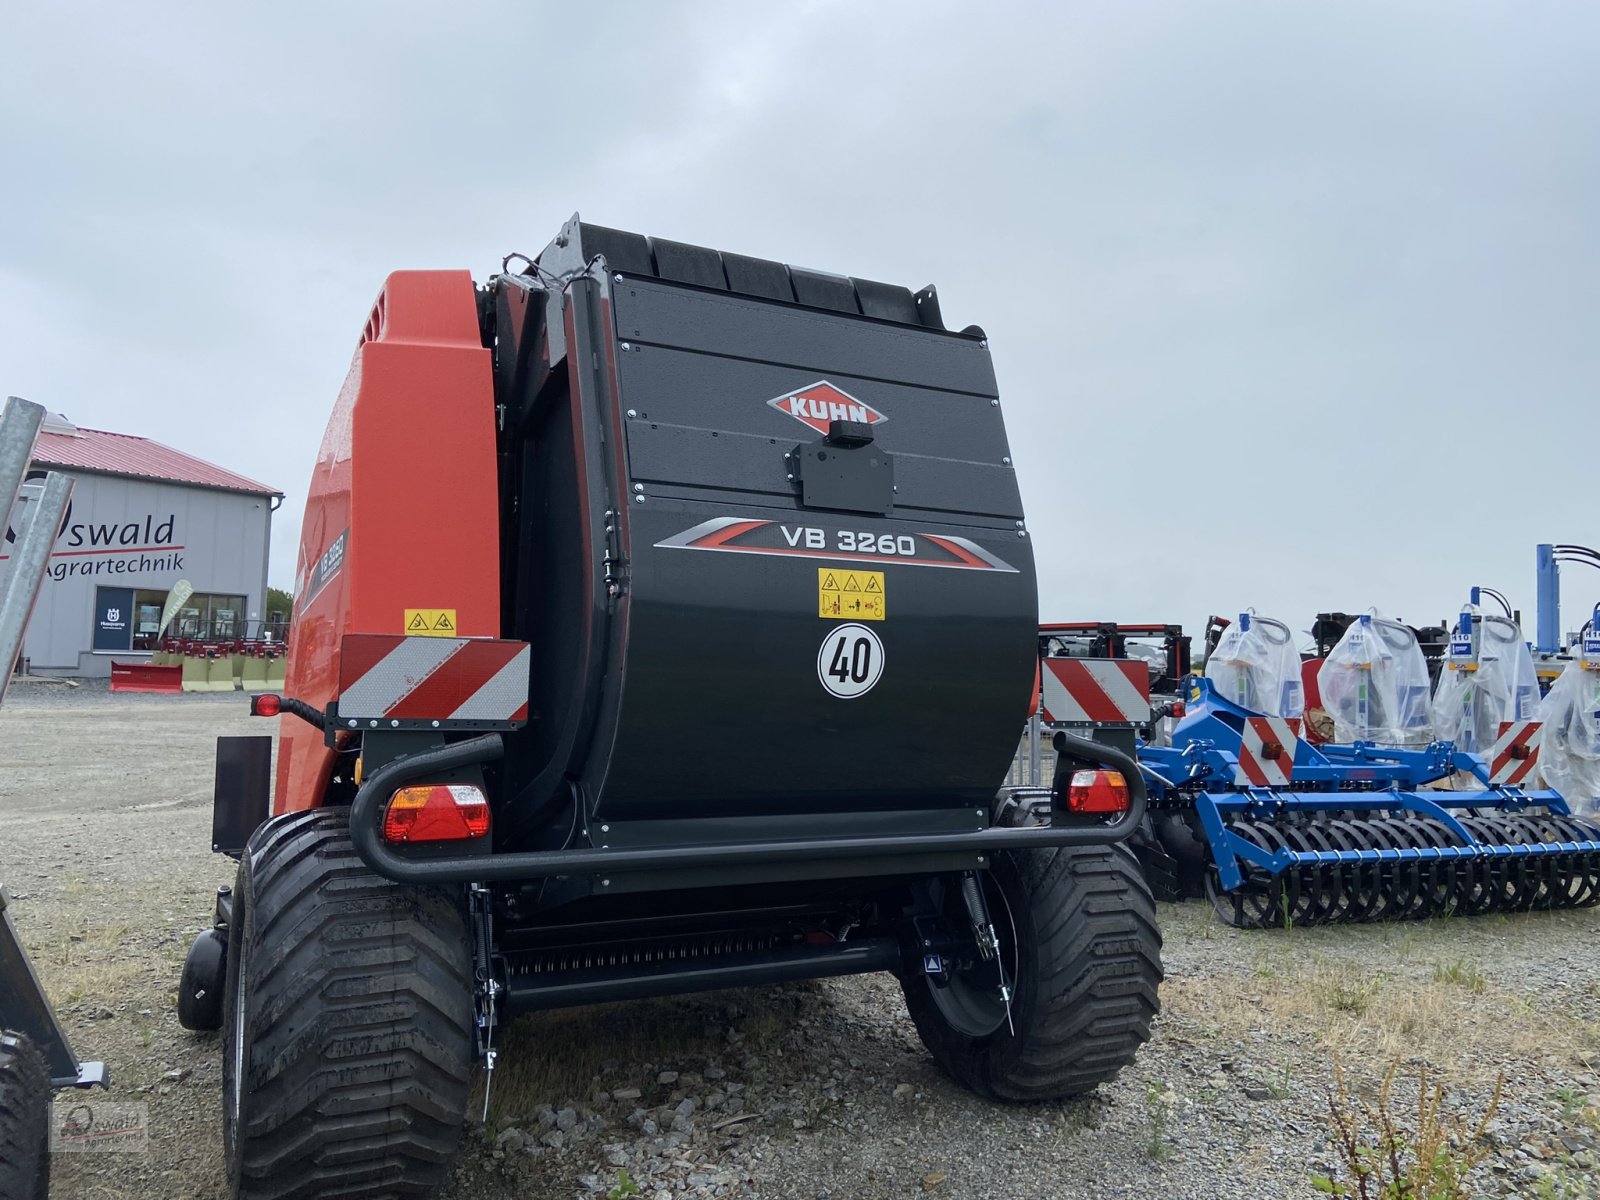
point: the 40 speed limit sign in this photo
(850, 661)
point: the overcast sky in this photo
(1293, 306)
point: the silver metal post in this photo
(19, 427)
(29, 558)
(1034, 766)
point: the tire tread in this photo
(24, 1120)
(1094, 991)
(361, 1032)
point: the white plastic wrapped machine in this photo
(1256, 666)
(1488, 679)
(1569, 756)
(1374, 684)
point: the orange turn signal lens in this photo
(1097, 792)
(450, 812)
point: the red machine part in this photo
(402, 512)
(1318, 724)
(145, 677)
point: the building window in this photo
(130, 618)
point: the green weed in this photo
(1460, 973)
(1571, 1101)
(1155, 1105)
(1352, 995)
(1385, 1155)
(1278, 1085)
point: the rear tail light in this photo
(448, 812)
(265, 705)
(1097, 792)
(1177, 709)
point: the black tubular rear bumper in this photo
(535, 864)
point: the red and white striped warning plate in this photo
(1515, 752)
(391, 678)
(1266, 754)
(1096, 691)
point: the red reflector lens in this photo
(1178, 708)
(1271, 750)
(1097, 792)
(437, 813)
(266, 705)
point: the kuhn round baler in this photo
(665, 621)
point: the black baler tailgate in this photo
(724, 705)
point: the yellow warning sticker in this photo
(431, 622)
(858, 595)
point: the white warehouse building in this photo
(142, 517)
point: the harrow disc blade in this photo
(1439, 878)
(1262, 899)
(1362, 882)
(1322, 885)
(1414, 887)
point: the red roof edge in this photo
(107, 453)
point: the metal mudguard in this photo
(241, 791)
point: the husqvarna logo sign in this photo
(819, 404)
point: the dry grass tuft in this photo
(1385, 1156)
(1450, 1016)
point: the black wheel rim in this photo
(970, 1001)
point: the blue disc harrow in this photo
(1299, 834)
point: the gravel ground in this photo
(809, 1091)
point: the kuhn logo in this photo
(820, 404)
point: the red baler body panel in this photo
(403, 511)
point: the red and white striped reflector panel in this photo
(1096, 691)
(1266, 755)
(406, 681)
(1515, 752)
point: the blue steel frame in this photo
(1200, 766)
